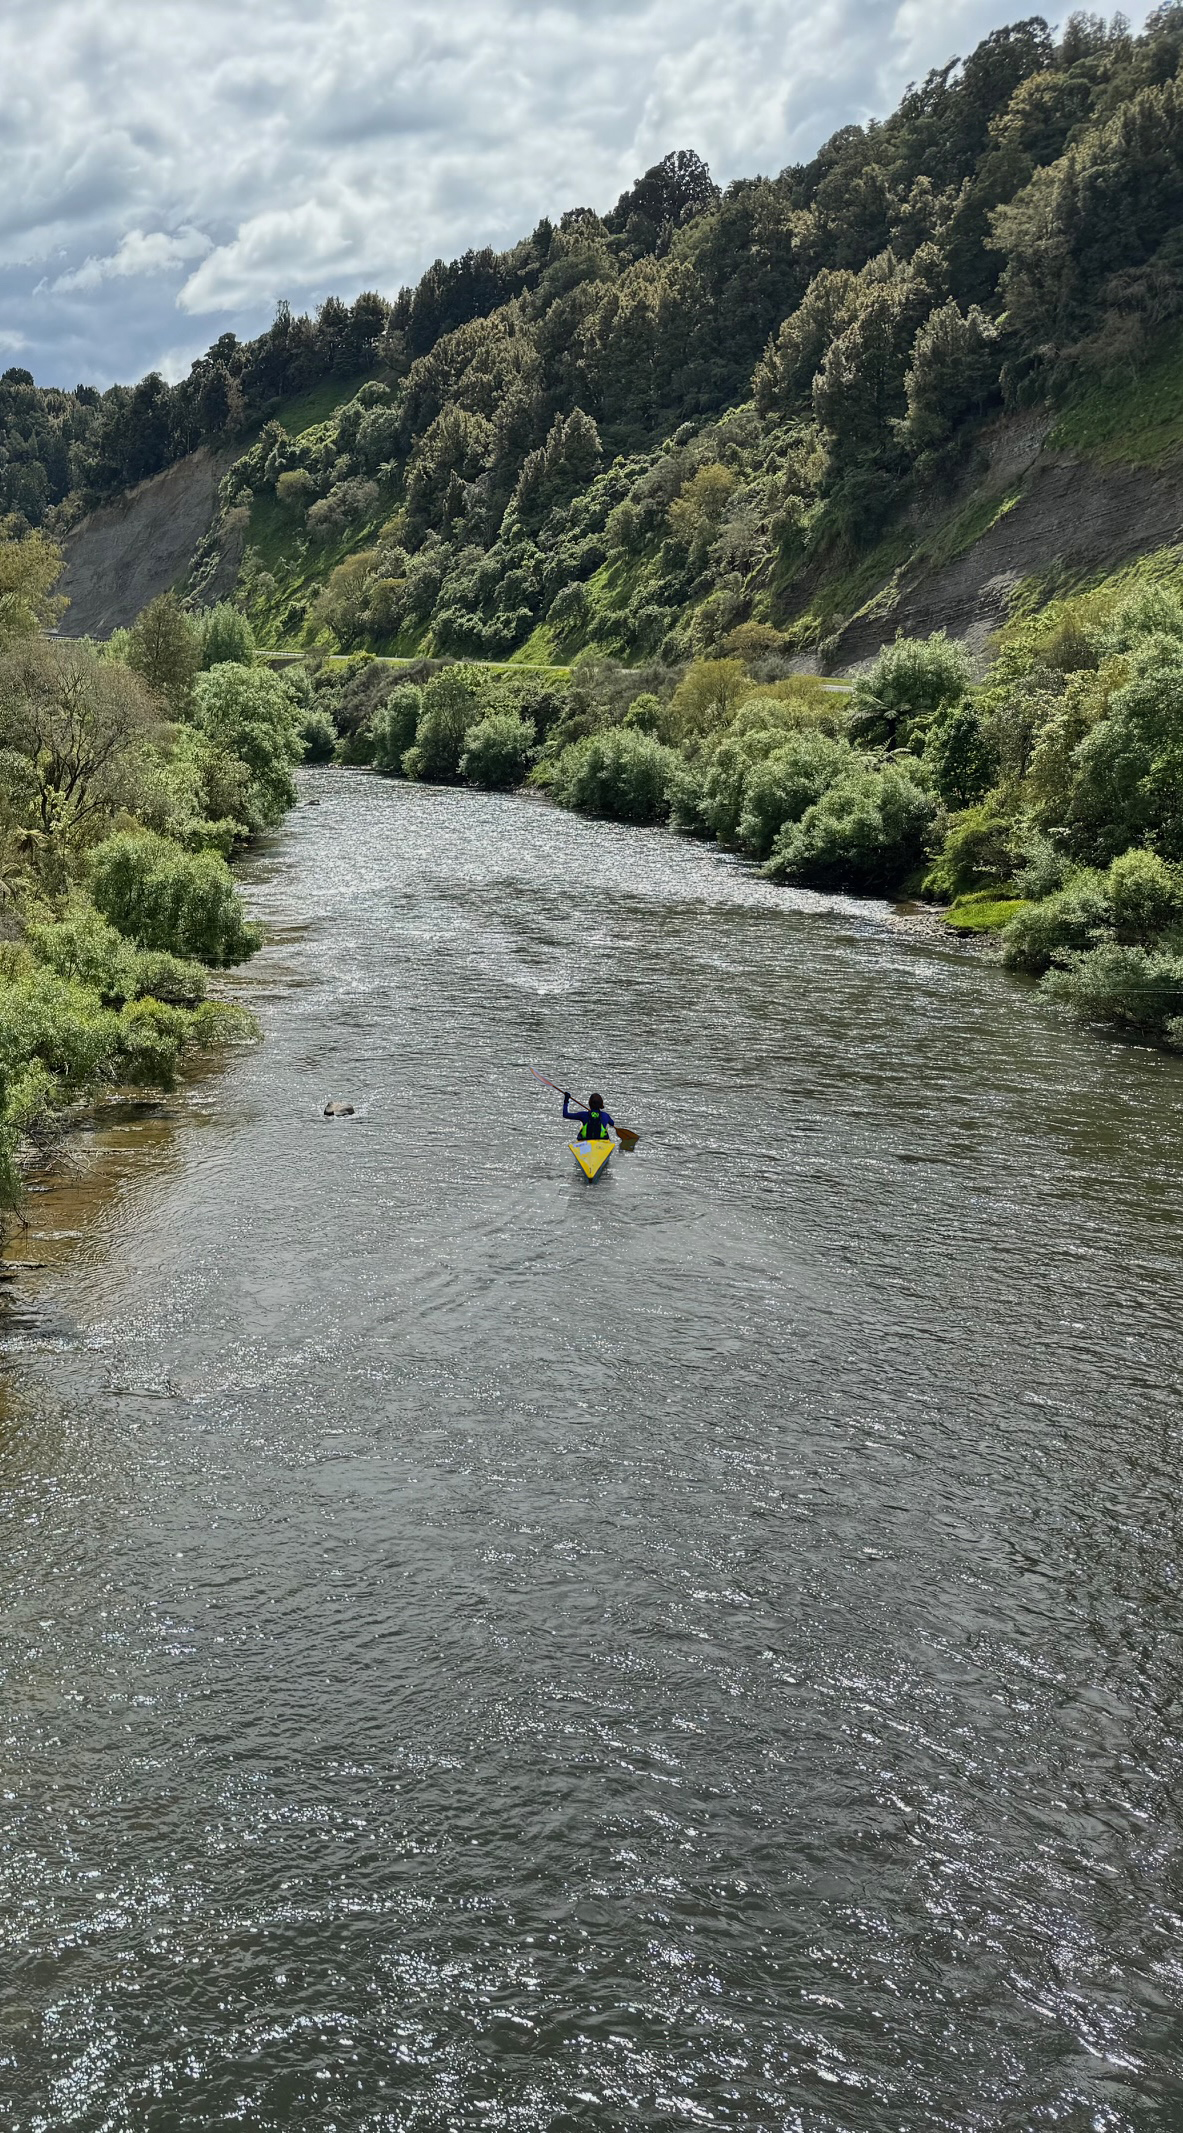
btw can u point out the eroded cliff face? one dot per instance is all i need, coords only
(1055, 513)
(127, 552)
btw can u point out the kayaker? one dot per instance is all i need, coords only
(596, 1120)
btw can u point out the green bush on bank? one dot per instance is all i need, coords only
(184, 903)
(498, 751)
(393, 728)
(251, 715)
(82, 945)
(866, 831)
(452, 702)
(778, 790)
(621, 774)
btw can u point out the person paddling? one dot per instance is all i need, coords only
(596, 1120)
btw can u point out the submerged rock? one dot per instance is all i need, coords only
(336, 1110)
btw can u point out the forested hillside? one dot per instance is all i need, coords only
(640, 429)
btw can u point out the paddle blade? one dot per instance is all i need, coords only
(627, 1138)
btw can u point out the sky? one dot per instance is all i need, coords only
(172, 168)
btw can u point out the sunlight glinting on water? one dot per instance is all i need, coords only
(483, 1650)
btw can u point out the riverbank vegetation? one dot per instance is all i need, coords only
(128, 774)
(1042, 804)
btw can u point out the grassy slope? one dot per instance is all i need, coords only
(1136, 422)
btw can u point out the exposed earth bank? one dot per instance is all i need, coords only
(128, 552)
(1070, 515)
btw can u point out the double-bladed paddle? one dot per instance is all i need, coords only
(624, 1134)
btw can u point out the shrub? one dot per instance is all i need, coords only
(621, 773)
(319, 736)
(84, 947)
(1147, 897)
(162, 898)
(350, 503)
(1134, 987)
(498, 750)
(687, 798)
(1129, 767)
(1149, 611)
(59, 1025)
(978, 851)
(1045, 868)
(707, 697)
(249, 712)
(959, 752)
(392, 729)
(645, 714)
(295, 488)
(452, 702)
(160, 976)
(1076, 918)
(910, 680)
(778, 790)
(866, 832)
(227, 638)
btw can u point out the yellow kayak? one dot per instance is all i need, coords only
(591, 1156)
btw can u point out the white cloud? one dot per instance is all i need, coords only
(138, 253)
(218, 155)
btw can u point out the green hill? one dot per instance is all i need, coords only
(823, 402)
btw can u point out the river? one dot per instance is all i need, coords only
(481, 1650)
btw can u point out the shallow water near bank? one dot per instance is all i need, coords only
(480, 1650)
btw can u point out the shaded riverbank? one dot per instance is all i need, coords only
(695, 1650)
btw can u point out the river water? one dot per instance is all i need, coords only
(486, 1651)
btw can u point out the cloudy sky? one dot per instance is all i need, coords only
(172, 167)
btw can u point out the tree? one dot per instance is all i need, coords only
(29, 570)
(953, 373)
(250, 713)
(164, 648)
(1127, 783)
(960, 755)
(670, 194)
(452, 702)
(394, 726)
(708, 694)
(226, 637)
(73, 731)
(694, 515)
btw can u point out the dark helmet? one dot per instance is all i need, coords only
(595, 1102)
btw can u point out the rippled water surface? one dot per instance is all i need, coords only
(481, 1650)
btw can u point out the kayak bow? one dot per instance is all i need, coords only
(591, 1156)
